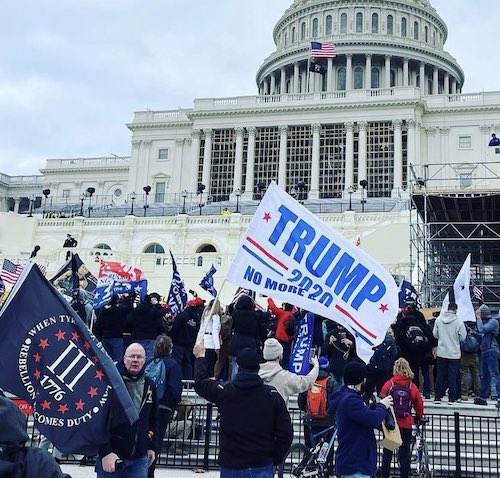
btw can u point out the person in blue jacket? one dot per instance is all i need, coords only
(356, 455)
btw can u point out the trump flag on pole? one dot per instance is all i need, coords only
(50, 359)
(289, 254)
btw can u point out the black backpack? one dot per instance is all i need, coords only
(416, 339)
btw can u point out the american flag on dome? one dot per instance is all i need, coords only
(323, 50)
(10, 272)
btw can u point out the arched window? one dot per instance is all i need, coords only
(315, 29)
(359, 22)
(341, 79)
(393, 78)
(390, 25)
(358, 78)
(426, 34)
(415, 30)
(154, 249)
(286, 38)
(102, 246)
(293, 34)
(375, 23)
(404, 27)
(303, 31)
(434, 38)
(343, 23)
(206, 248)
(329, 25)
(375, 78)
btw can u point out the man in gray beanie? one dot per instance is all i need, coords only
(285, 382)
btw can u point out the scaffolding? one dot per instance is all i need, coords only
(455, 212)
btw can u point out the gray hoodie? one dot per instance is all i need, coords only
(285, 382)
(449, 331)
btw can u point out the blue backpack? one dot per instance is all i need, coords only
(156, 371)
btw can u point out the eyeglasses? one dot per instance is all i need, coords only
(135, 357)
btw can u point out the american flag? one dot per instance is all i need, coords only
(10, 272)
(477, 291)
(323, 50)
(241, 291)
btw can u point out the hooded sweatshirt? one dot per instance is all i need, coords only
(285, 382)
(449, 331)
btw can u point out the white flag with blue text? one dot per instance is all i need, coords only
(290, 254)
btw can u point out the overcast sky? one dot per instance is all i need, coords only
(72, 72)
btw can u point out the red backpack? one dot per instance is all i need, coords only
(317, 400)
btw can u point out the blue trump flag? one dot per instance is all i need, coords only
(50, 359)
(408, 293)
(207, 283)
(299, 358)
(108, 288)
(177, 296)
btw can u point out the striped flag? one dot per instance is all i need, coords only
(2, 287)
(323, 50)
(251, 293)
(476, 290)
(10, 272)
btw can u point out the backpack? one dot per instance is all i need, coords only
(317, 400)
(401, 395)
(416, 339)
(156, 371)
(470, 343)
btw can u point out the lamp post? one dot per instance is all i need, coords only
(364, 184)
(184, 196)
(350, 190)
(201, 188)
(82, 198)
(32, 200)
(147, 190)
(237, 193)
(133, 197)
(46, 193)
(90, 193)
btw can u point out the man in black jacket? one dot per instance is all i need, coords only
(255, 426)
(131, 447)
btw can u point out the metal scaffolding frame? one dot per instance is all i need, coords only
(455, 211)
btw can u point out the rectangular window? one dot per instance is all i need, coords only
(465, 180)
(160, 192)
(465, 142)
(163, 154)
(66, 193)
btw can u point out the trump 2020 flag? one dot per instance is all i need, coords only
(207, 283)
(408, 293)
(118, 270)
(289, 254)
(50, 359)
(299, 358)
(461, 288)
(107, 288)
(177, 296)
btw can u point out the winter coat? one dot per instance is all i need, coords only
(173, 384)
(111, 322)
(489, 329)
(282, 317)
(146, 321)
(185, 327)
(416, 399)
(357, 447)
(245, 330)
(209, 332)
(285, 382)
(449, 330)
(413, 319)
(255, 426)
(339, 354)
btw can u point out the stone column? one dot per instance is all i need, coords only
(249, 182)
(296, 76)
(133, 171)
(238, 160)
(446, 90)
(17, 201)
(423, 81)
(445, 150)
(362, 152)
(329, 75)
(485, 135)
(283, 81)
(453, 86)
(411, 123)
(405, 72)
(195, 159)
(314, 190)
(387, 71)
(282, 158)
(3, 204)
(433, 152)
(146, 157)
(266, 86)
(348, 72)
(207, 159)
(368, 71)
(349, 155)
(273, 84)
(398, 159)
(435, 81)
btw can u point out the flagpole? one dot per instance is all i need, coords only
(308, 70)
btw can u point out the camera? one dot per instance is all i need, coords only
(342, 335)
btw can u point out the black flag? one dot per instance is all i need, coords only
(316, 68)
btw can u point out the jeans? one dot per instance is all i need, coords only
(164, 417)
(403, 456)
(114, 347)
(259, 472)
(447, 375)
(489, 370)
(135, 468)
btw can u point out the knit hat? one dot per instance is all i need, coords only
(245, 302)
(354, 373)
(485, 311)
(324, 363)
(13, 429)
(272, 349)
(248, 360)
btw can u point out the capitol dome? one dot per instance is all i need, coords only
(379, 44)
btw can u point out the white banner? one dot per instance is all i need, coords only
(290, 254)
(461, 287)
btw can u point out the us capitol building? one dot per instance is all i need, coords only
(385, 121)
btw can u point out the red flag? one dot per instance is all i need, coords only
(118, 270)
